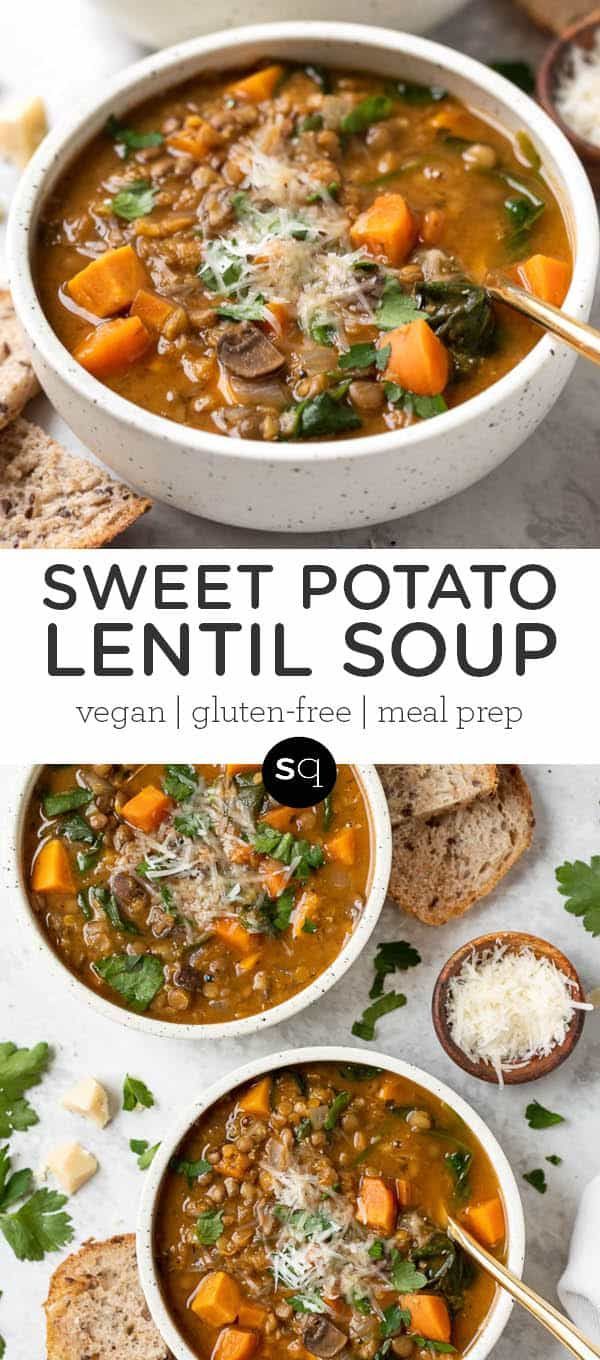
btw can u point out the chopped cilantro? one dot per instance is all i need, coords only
(423, 407)
(303, 855)
(136, 1094)
(247, 309)
(396, 308)
(127, 139)
(137, 977)
(377, 1250)
(191, 1170)
(392, 956)
(209, 1226)
(136, 200)
(580, 883)
(393, 1321)
(308, 1302)
(144, 1152)
(180, 782)
(190, 824)
(404, 1275)
(20, 1068)
(554, 1159)
(538, 1117)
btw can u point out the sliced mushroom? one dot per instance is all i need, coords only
(246, 352)
(322, 1338)
(126, 889)
(188, 977)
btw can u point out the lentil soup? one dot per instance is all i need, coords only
(306, 1212)
(288, 253)
(185, 892)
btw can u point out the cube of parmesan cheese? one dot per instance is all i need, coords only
(71, 1165)
(89, 1099)
(23, 125)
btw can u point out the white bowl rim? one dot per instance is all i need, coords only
(56, 147)
(381, 860)
(501, 1307)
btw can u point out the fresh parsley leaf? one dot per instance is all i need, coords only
(554, 1159)
(396, 308)
(537, 1179)
(38, 1226)
(359, 356)
(322, 329)
(392, 956)
(440, 1347)
(137, 977)
(423, 407)
(519, 72)
(54, 804)
(248, 309)
(283, 908)
(12, 1187)
(209, 1226)
(136, 200)
(377, 1250)
(2, 1347)
(580, 883)
(136, 1094)
(20, 1068)
(365, 1027)
(110, 907)
(371, 110)
(336, 1109)
(303, 1222)
(76, 828)
(322, 415)
(304, 855)
(538, 1117)
(308, 1302)
(127, 139)
(191, 1170)
(460, 1165)
(393, 1320)
(180, 782)
(144, 1152)
(190, 824)
(404, 1275)
(361, 1305)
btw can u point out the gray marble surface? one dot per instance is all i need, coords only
(34, 1005)
(546, 495)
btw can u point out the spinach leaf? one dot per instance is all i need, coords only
(413, 93)
(359, 1071)
(423, 407)
(371, 110)
(365, 1027)
(137, 977)
(110, 907)
(321, 77)
(323, 415)
(327, 806)
(392, 956)
(311, 122)
(522, 215)
(336, 1110)
(460, 1165)
(56, 803)
(83, 902)
(461, 314)
(76, 828)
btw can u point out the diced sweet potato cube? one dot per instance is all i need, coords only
(233, 1162)
(545, 277)
(404, 1192)
(252, 1315)
(109, 284)
(418, 360)
(376, 1205)
(217, 1298)
(342, 846)
(258, 86)
(233, 1343)
(243, 854)
(275, 876)
(429, 1316)
(486, 1221)
(257, 1100)
(282, 818)
(152, 309)
(457, 122)
(305, 910)
(386, 228)
(391, 1088)
(248, 962)
(113, 346)
(235, 935)
(52, 872)
(195, 141)
(147, 809)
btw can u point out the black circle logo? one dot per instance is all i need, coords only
(299, 772)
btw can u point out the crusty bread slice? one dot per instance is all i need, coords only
(555, 15)
(51, 499)
(95, 1308)
(18, 382)
(442, 866)
(426, 790)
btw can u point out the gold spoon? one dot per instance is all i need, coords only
(556, 1323)
(583, 338)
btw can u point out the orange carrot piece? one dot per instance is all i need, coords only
(342, 846)
(281, 818)
(231, 770)
(386, 228)
(152, 309)
(429, 1316)
(418, 360)
(305, 910)
(147, 809)
(458, 122)
(113, 346)
(110, 283)
(196, 141)
(545, 277)
(248, 962)
(377, 1205)
(275, 876)
(258, 86)
(391, 1088)
(233, 1343)
(257, 1100)
(252, 1315)
(235, 936)
(52, 872)
(217, 1298)
(404, 1192)
(243, 854)
(486, 1221)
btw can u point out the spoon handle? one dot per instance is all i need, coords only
(556, 1323)
(585, 339)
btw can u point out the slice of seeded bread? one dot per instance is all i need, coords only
(426, 790)
(18, 382)
(443, 865)
(95, 1308)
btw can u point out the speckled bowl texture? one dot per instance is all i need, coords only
(381, 859)
(330, 484)
(500, 1310)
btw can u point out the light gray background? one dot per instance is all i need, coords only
(546, 496)
(35, 1005)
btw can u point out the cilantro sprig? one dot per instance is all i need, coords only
(136, 1095)
(392, 956)
(538, 1117)
(39, 1224)
(580, 884)
(20, 1068)
(144, 1152)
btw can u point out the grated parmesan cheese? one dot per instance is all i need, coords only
(578, 91)
(506, 1007)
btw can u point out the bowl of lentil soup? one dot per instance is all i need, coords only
(181, 900)
(252, 275)
(300, 1205)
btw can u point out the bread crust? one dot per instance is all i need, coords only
(95, 1309)
(18, 383)
(427, 790)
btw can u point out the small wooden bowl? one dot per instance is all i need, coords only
(580, 34)
(537, 1067)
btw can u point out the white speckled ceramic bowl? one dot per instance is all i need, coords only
(500, 1310)
(306, 487)
(379, 877)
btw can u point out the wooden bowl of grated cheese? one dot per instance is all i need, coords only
(508, 1007)
(568, 87)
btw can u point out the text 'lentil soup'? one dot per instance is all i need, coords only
(184, 892)
(307, 1212)
(298, 253)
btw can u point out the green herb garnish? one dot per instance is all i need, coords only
(460, 1165)
(392, 956)
(54, 804)
(110, 907)
(144, 1152)
(38, 1225)
(423, 407)
(396, 308)
(137, 200)
(371, 110)
(404, 1275)
(336, 1109)
(137, 977)
(537, 1179)
(180, 782)
(580, 883)
(538, 1117)
(136, 1094)
(554, 1159)
(365, 1027)
(283, 846)
(127, 139)
(191, 1170)
(308, 1302)
(20, 1068)
(247, 309)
